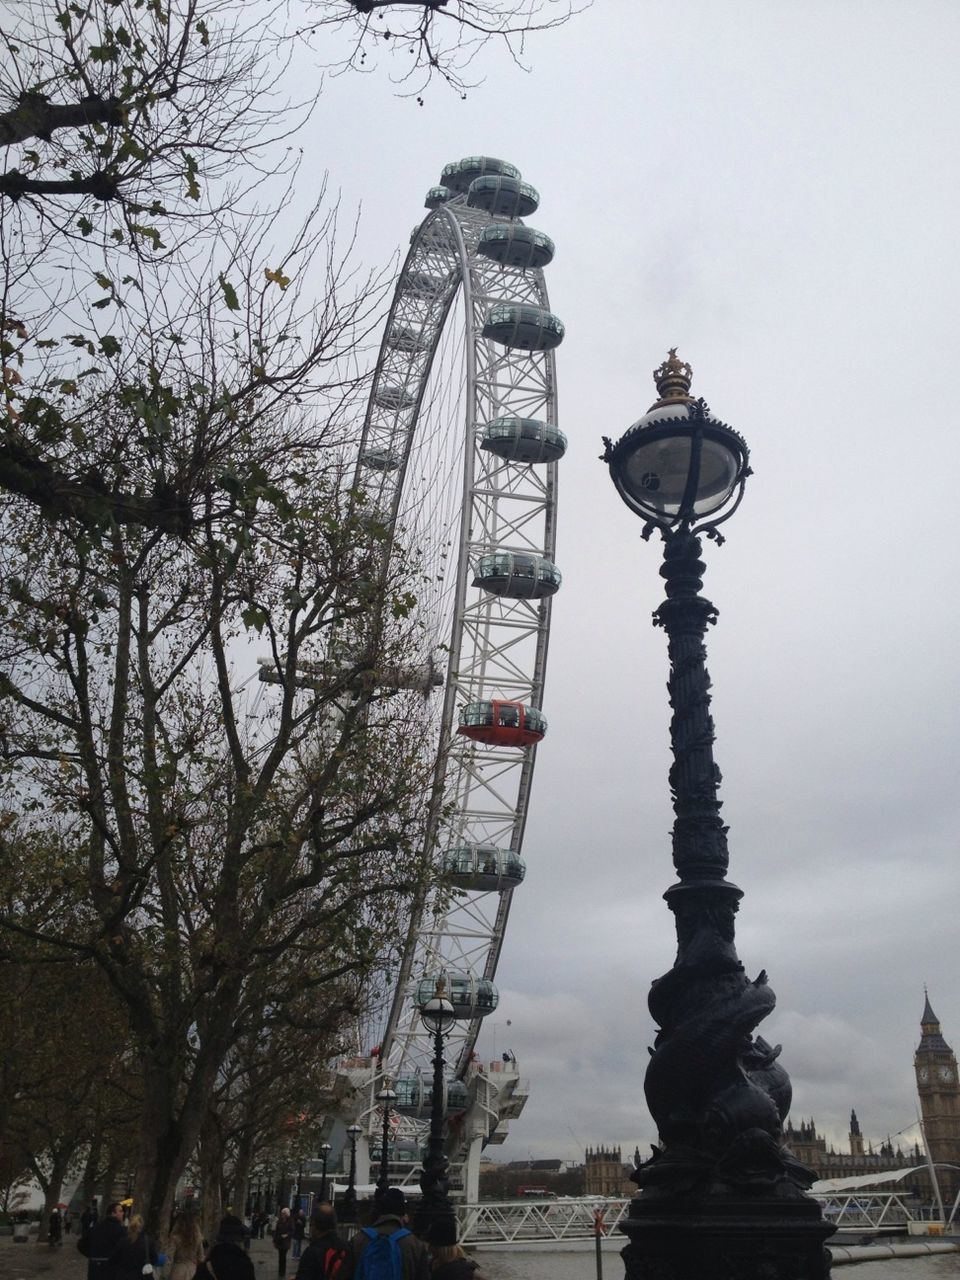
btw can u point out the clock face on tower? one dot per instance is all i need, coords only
(945, 1074)
(923, 1074)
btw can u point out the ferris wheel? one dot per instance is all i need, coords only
(459, 455)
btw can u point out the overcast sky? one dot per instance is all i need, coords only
(772, 187)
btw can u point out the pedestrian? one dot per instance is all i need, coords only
(67, 1222)
(327, 1256)
(55, 1228)
(227, 1258)
(102, 1241)
(299, 1231)
(134, 1253)
(389, 1250)
(282, 1239)
(88, 1220)
(185, 1246)
(447, 1258)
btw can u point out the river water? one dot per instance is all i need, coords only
(578, 1263)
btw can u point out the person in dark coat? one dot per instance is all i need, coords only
(327, 1256)
(228, 1259)
(134, 1252)
(282, 1236)
(447, 1258)
(299, 1232)
(102, 1242)
(88, 1219)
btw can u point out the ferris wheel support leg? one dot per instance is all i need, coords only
(471, 1171)
(363, 1160)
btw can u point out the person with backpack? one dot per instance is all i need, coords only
(389, 1250)
(327, 1256)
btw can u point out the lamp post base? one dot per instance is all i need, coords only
(735, 1239)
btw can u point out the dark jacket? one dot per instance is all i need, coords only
(413, 1252)
(283, 1233)
(131, 1256)
(101, 1244)
(226, 1261)
(313, 1261)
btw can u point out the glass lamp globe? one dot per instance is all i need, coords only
(438, 1013)
(678, 465)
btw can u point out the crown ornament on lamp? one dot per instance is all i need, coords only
(673, 379)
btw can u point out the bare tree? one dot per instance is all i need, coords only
(431, 39)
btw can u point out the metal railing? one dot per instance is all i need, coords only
(517, 1221)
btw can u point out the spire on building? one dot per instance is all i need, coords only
(930, 1026)
(854, 1124)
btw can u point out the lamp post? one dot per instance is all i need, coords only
(438, 1016)
(721, 1198)
(349, 1211)
(386, 1097)
(325, 1150)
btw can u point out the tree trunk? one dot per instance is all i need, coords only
(88, 1184)
(239, 1191)
(211, 1175)
(51, 1186)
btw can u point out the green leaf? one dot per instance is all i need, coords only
(101, 303)
(109, 345)
(255, 617)
(85, 225)
(193, 187)
(102, 53)
(103, 281)
(149, 233)
(229, 293)
(204, 32)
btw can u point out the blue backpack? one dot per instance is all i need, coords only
(381, 1259)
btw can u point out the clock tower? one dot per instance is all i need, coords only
(937, 1084)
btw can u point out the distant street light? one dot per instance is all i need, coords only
(722, 1198)
(325, 1150)
(386, 1097)
(349, 1210)
(438, 1016)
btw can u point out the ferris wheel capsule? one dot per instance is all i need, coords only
(390, 396)
(529, 328)
(437, 196)
(514, 245)
(503, 197)
(483, 867)
(458, 175)
(502, 724)
(470, 996)
(517, 575)
(524, 440)
(414, 1096)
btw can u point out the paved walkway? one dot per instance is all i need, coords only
(39, 1262)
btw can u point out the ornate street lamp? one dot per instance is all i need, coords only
(438, 1016)
(386, 1097)
(349, 1211)
(325, 1150)
(721, 1198)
